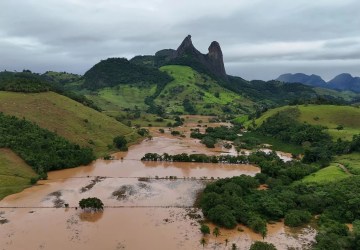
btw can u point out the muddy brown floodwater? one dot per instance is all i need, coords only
(143, 211)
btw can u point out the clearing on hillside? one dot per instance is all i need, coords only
(342, 121)
(204, 94)
(66, 117)
(15, 174)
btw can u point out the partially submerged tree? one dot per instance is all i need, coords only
(92, 204)
(205, 229)
(258, 245)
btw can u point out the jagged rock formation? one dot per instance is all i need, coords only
(212, 61)
(215, 58)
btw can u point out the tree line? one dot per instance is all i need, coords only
(41, 149)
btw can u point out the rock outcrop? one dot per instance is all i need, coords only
(212, 61)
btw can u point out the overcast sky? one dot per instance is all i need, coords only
(260, 39)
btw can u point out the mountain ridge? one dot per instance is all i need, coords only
(344, 81)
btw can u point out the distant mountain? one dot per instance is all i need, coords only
(343, 81)
(312, 80)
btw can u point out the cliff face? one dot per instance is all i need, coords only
(215, 58)
(212, 61)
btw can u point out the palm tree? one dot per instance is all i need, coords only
(203, 242)
(226, 241)
(216, 232)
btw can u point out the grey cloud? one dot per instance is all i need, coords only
(73, 35)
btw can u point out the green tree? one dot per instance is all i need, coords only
(203, 242)
(216, 232)
(92, 204)
(295, 218)
(121, 143)
(205, 229)
(258, 245)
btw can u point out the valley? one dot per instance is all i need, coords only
(159, 210)
(182, 156)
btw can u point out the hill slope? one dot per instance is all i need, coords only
(70, 119)
(192, 92)
(326, 115)
(15, 174)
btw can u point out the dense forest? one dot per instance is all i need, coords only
(235, 200)
(319, 146)
(114, 71)
(29, 82)
(22, 82)
(41, 149)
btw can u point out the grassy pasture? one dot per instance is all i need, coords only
(70, 119)
(15, 174)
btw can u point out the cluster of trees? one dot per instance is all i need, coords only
(121, 143)
(92, 204)
(184, 157)
(41, 149)
(29, 82)
(114, 71)
(22, 82)
(229, 201)
(189, 107)
(318, 144)
(214, 133)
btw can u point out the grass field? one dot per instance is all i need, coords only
(70, 119)
(15, 174)
(326, 115)
(350, 161)
(328, 174)
(122, 96)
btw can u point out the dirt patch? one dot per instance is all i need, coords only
(124, 192)
(2, 219)
(57, 201)
(92, 184)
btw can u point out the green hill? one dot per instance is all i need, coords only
(15, 174)
(330, 116)
(115, 71)
(68, 118)
(200, 93)
(188, 89)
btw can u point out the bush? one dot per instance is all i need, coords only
(120, 143)
(205, 229)
(295, 218)
(175, 133)
(93, 204)
(208, 141)
(259, 245)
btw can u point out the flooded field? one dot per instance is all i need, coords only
(144, 208)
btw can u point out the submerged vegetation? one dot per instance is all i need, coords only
(91, 204)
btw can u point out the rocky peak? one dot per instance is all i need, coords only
(212, 61)
(186, 47)
(216, 58)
